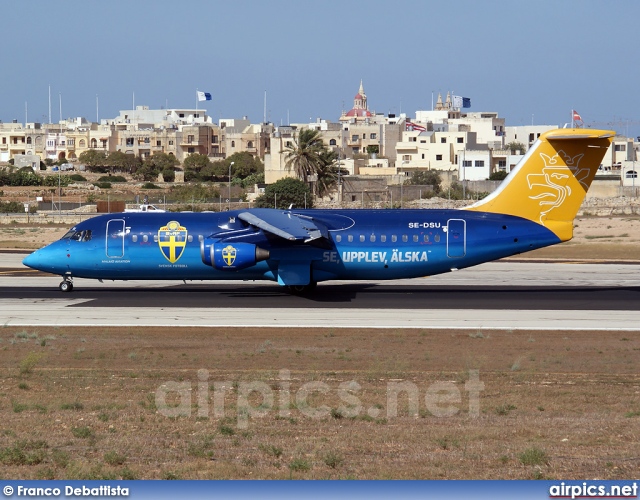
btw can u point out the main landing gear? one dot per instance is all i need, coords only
(302, 289)
(66, 285)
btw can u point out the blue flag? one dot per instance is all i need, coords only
(466, 102)
(204, 96)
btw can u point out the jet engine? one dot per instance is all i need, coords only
(226, 256)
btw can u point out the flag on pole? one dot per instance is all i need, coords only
(461, 102)
(414, 126)
(576, 116)
(204, 96)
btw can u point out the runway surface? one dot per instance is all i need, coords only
(504, 295)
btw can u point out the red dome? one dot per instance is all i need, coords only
(359, 112)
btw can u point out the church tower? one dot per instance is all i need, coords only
(360, 110)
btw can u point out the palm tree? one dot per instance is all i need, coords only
(304, 154)
(328, 172)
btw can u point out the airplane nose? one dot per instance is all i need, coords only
(32, 260)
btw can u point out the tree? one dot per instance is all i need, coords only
(303, 154)
(498, 175)
(153, 165)
(163, 161)
(169, 175)
(426, 178)
(196, 167)
(328, 172)
(515, 146)
(285, 192)
(244, 164)
(92, 158)
(122, 162)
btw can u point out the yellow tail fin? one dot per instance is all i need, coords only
(552, 179)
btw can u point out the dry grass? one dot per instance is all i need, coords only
(554, 404)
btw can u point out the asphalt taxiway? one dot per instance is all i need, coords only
(504, 295)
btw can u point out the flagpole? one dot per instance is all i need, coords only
(196, 99)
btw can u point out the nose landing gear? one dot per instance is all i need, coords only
(66, 285)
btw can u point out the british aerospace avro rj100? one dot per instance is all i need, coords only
(534, 207)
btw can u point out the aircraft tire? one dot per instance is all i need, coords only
(66, 286)
(302, 289)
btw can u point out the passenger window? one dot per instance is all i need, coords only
(436, 238)
(190, 238)
(426, 238)
(134, 237)
(200, 238)
(338, 238)
(394, 238)
(145, 238)
(383, 238)
(415, 238)
(405, 238)
(350, 238)
(155, 238)
(372, 238)
(362, 238)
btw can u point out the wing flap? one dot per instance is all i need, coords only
(286, 225)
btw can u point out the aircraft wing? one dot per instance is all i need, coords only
(287, 225)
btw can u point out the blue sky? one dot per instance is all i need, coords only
(532, 62)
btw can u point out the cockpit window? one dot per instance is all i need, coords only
(78, 235)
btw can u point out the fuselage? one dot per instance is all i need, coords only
(360, 244)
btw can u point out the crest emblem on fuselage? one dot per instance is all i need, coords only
(229, 255)
(172, 240)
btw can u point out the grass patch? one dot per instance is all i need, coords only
(76, 405)
(83, 432)
(114, 458)
(29, 362)
(271, 450)
(533, 456)
(225, 430)
(505, 409)
(24, 453)
(333, 460)
(299, 465)
(18, 407)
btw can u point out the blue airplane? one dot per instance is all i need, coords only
(533, 207)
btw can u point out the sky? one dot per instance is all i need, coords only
(532, 62)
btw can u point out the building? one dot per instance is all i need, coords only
(360, 110)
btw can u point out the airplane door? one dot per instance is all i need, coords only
(115, 238)
(456, 238)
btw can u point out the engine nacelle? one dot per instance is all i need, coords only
(232, 256)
